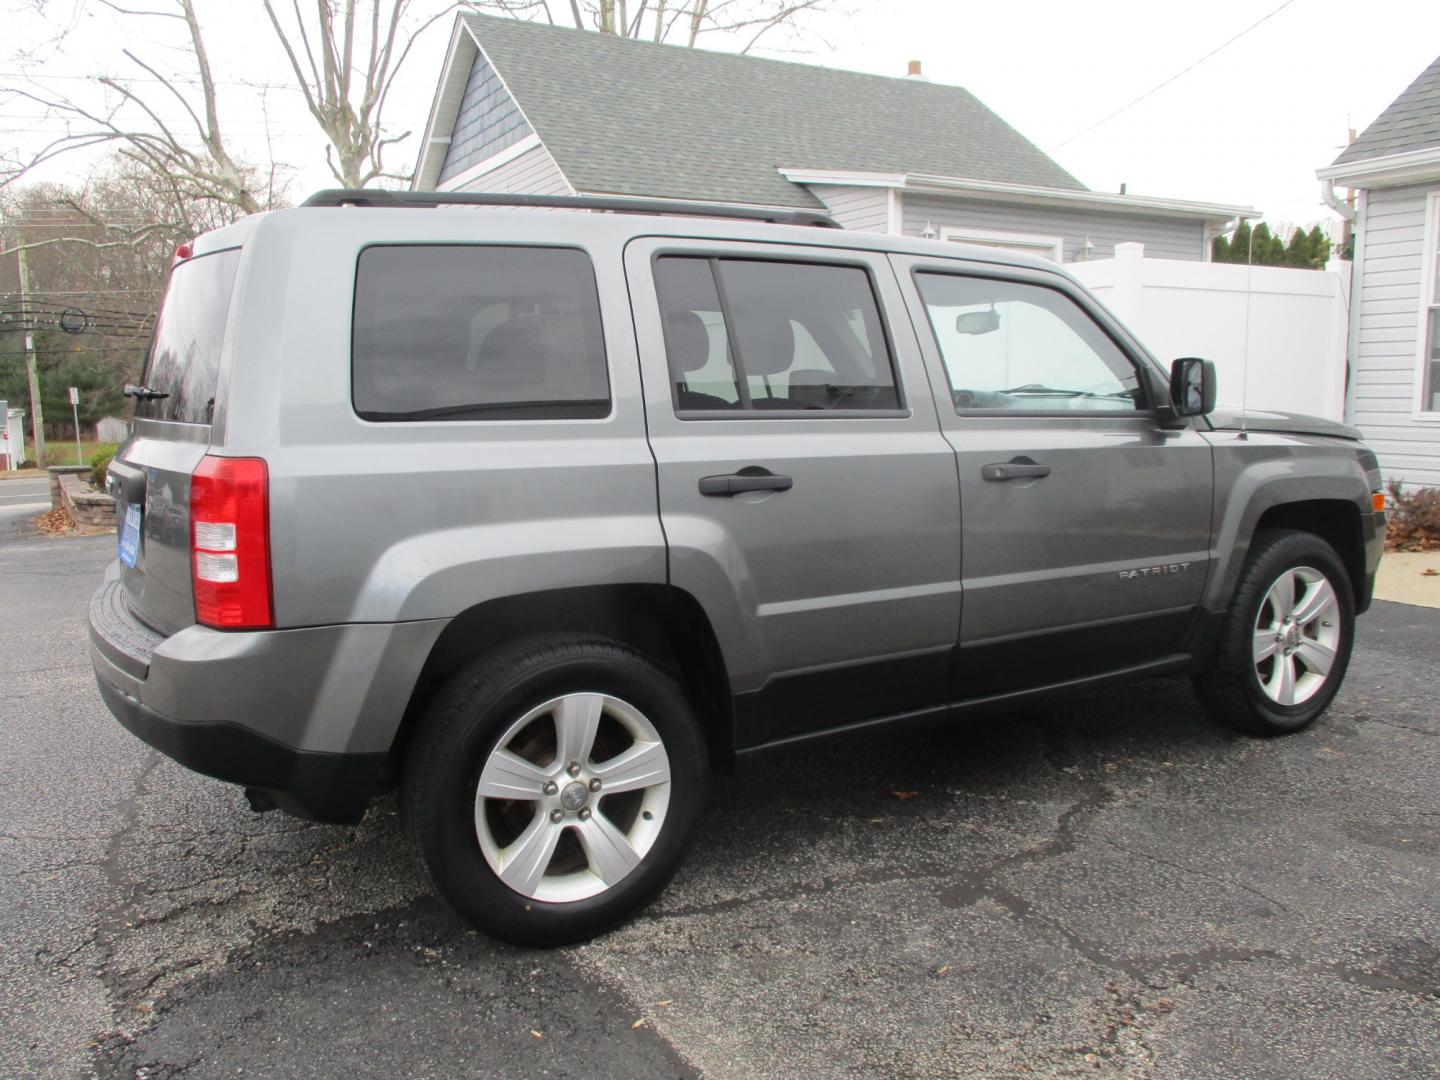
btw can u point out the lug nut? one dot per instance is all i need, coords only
(551, 787)
(556, 815)
(595, 785)
(573, 769)
(584, 814)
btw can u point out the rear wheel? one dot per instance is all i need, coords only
(554, 788)
(1285, 642)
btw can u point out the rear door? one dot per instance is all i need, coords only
(1087, 524)
(150, 476)
(807, 495)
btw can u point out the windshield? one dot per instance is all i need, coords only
(184, 360)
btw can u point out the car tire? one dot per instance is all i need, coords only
(554, 787)
(1285, 642)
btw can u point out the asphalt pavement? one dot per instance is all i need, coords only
(20, 501)
(1105, 888)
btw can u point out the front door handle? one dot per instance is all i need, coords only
(1018, 469)
(750, 478)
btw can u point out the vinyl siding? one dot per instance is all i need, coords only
(1164, 238)
(533, 173)
(489, 121)
(1386, 349)
(864, 208)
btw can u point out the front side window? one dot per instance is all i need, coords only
(1009, 346)
(451, 332)
(750, 334)
(1430, 336)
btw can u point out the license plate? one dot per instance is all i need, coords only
(130, 535)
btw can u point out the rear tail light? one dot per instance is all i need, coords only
(230, 543)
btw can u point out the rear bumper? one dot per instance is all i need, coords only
(324, 787)
(306, 715)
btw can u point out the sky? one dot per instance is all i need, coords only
(1249, 125)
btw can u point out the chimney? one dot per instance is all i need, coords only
(913, 71)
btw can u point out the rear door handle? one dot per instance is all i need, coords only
(1019, 469)
(750, 478)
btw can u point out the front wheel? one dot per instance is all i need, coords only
(553, 788)
(1285, 641)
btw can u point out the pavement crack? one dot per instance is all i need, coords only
(117, 881)
(1404, 727)
(1197, 873)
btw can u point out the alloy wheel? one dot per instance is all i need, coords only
(1297, 636)
(572, 797)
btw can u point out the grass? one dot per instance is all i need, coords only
(57, 452)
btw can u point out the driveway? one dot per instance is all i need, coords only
(1111, 887)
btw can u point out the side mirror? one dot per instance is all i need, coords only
(1192, 386)
(977, 322)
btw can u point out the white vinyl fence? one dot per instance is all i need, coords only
(1277, 335)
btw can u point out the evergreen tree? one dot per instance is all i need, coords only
(1300, 253)
(1259, 246)
(1240, 244)
(1319, 247)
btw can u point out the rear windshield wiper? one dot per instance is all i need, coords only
(143, 393)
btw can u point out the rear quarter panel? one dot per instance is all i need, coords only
(383, 522)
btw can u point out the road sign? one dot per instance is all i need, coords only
(75, 411)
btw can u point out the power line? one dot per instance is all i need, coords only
(1185, 71)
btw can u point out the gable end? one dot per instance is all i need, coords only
(488, 122)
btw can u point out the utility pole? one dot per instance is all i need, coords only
(37, 421)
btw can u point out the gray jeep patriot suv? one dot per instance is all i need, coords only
(534, 515)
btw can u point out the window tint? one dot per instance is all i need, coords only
(695, 338)
(1010, 346)
(471, 332)
(184, 360)
(753, 334)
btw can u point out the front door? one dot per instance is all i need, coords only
(807, 494)
(1086, 524)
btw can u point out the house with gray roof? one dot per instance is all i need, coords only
(539, 109)
(1393, 171)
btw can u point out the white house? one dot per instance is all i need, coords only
(539, 109)
(1394, 346)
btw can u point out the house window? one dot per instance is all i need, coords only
(1051, 247)
(1430, 310)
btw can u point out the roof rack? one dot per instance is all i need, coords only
(620, 204)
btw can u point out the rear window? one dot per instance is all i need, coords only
(477, 332)
(184, 360)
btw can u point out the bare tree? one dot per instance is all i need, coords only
(192, 158)
(98, 254)
(345, 57)
(677, 21)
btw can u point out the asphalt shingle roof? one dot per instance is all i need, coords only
(636, 118)
(1412, 122)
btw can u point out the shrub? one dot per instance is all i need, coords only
(98, 464)
(1413, 521)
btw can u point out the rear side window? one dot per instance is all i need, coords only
(184, 360)
(746, 334)
(477, 332)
